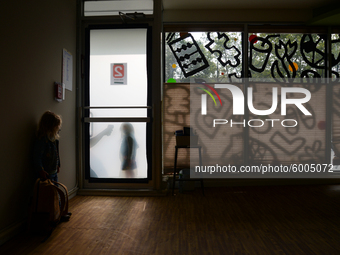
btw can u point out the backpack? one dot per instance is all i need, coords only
(49, 203)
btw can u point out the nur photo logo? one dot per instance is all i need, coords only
(204, 98)
(238, 104)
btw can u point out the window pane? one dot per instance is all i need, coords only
(271, 142)
(118, 150)
(109, 8)
(336, 55)
(281, 56)
(201, 55)
(118, 53)
(118, 78)
(176, 106)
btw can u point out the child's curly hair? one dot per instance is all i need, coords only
(49, 126)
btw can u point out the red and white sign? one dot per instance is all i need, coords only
(118, 74)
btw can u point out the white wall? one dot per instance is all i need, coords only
(33, 34)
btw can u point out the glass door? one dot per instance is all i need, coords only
(118, 115)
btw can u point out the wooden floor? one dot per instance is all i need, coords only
(235, 220)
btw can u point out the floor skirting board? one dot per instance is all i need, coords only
(11, 231)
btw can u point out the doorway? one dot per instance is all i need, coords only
(117, 105)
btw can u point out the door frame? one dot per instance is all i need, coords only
(86, 119)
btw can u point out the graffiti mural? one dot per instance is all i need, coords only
(188, 55)
(213, 47)
(218, 55)
(203, 55)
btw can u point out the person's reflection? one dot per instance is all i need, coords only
(128, 150)
(100, 169)
(106, 132)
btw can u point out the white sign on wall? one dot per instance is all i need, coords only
(67, 69)
(118, 73)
